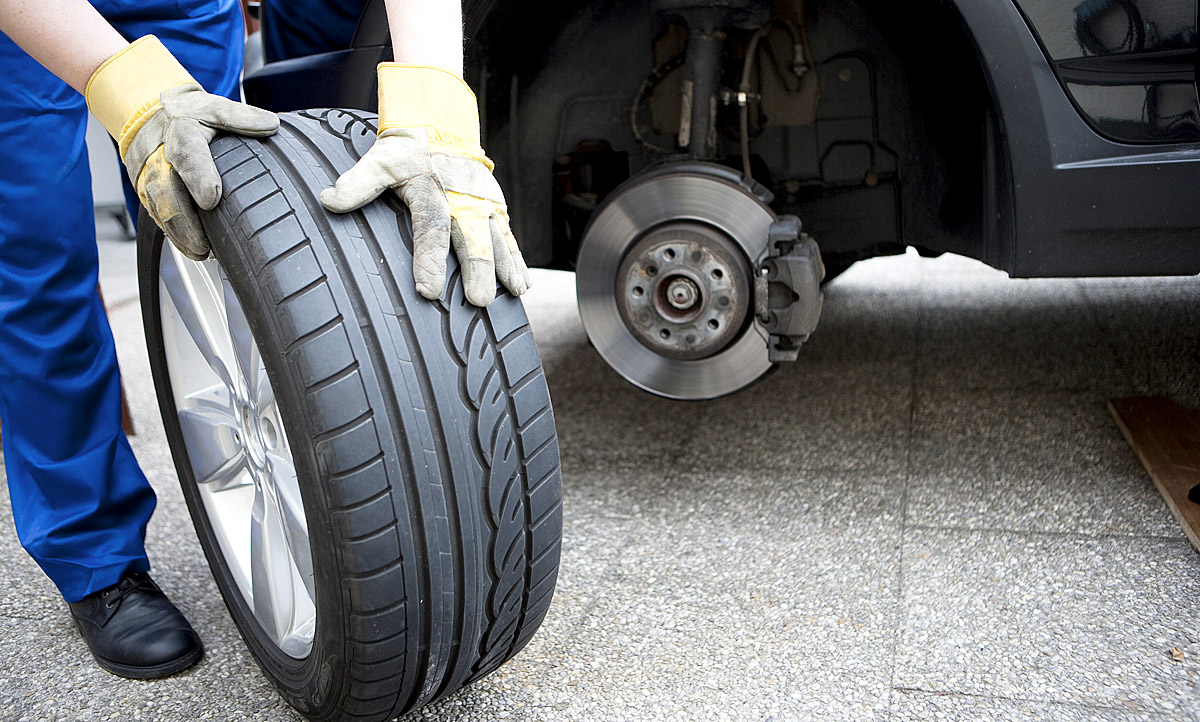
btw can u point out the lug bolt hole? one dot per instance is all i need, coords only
(270, 435)
(670, 253)
(638, 291)
(714, 324)
(718, 274)
(664, 334)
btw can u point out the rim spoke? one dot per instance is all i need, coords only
(194, 296)
(213, 442)
(295, 526)
(264, 397)
(244, 351)
(270, 568)
(233, 474)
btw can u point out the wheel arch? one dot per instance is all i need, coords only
(960, 120)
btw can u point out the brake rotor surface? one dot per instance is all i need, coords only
(664, 283)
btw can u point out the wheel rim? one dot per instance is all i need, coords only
(240, 456)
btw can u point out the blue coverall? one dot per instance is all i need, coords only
(80, 502)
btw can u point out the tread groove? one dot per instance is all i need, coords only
(346, 473)
(351, 508)
(339, 375)
(242, 184)
(257, 201)
(307, 336)
(315, 283)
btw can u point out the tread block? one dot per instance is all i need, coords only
(275, 240)
(359, 485)
(382, 635)
(269, 205)
(291, 273)
(338, 403)
(323, 356)
(543, 587)
(228, 152)
(372, 552)
(365, 519)
(546, 534)
(307, 312)
(377, 591)
(529, 400)
(382, 692)
(538, 431)
(250, 197)
(542, 463)
(374, 672)
(505, 315)
(542, 501)
(241, 171)
(353, 447)
(519, 357)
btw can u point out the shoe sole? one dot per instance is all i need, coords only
(165, 669)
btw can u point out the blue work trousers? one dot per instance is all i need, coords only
(80, 501)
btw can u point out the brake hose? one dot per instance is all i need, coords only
(800, 65)
(652, 80)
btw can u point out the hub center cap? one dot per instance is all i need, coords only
(682, 294)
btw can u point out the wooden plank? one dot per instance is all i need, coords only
(1166, 438)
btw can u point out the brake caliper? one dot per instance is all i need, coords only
(787, 289)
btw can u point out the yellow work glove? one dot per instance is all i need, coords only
(428, 152)
(163, 122)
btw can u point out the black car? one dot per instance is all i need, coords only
(659, 150)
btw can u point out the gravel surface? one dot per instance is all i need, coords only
(931, 516)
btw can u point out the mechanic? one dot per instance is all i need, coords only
(80, 501)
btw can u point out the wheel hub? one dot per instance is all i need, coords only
(682, 291)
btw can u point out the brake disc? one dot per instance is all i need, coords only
(665, 282)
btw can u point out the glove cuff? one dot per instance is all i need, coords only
(124, 91)
(419, 96)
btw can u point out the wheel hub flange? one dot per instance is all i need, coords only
(683, 290)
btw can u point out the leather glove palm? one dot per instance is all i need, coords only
(428, 152)
(163, 122)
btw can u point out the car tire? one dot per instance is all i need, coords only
(424, 474)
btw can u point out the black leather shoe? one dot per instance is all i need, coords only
(134, 631)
